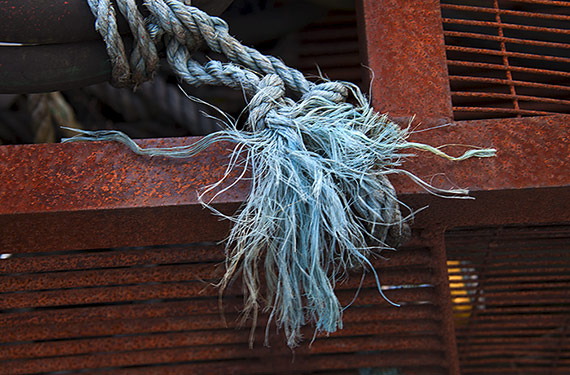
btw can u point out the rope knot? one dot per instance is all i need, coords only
(269, 96)
(320, 201)
(332, 91)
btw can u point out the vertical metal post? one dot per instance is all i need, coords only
(434, 237)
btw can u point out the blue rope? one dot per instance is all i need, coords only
(320, 195)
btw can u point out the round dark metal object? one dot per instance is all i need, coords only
(53, 45)
(59, 21)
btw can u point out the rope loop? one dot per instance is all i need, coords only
(332, 91)
(269, 97)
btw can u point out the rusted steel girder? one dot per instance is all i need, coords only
(102, 190)
(102, 186)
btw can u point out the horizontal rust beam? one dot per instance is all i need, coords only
(104, 190)
(98, 195)
(532, 153)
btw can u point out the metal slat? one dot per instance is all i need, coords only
(382, 333)
(514, 334)
(190, 309)
(545, 2)
(502, 110)
(485, 51)
(111, 277)
(557, 266)
(80, 260)
(222, 352)
(174, 290)
(480, 9)
(502, 322)
(535, 342)
(471, 64)
(518, 321)
(458, 21)
(495, 38)
(407, 316)
(504, 82)
(302, 364)
(207, 272)
(524, 98)
(202, 305)
(96, 259)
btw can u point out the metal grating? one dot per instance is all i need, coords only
(153, 310)
(507, 58)
(511, 294)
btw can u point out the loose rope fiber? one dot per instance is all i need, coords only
(320, 202)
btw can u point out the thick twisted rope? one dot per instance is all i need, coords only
(320, 201)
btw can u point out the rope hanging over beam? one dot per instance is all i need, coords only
(320, 202)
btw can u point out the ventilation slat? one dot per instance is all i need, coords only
(512, 308)
(506, 26)
(218, 354)
(494, 38)
(544, 2)
(471, 64)
(86, 315)
(476, 9)
(510, 96)
(161, 340)
(173, 284)
(134, 275)
(321, 364)
(499, 323)
(406, 316)
(507, 58)
(483, 110)
(82, 260)
(483, 51)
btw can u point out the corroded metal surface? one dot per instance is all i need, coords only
(531, 153)
(406, 53)
(139, 310)
(153, 310)
(106, 190)
(527, 182)
(107, 175)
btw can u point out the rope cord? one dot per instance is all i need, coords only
(320, 201)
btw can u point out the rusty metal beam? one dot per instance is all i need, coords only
(77, 196)
(532, 153)
(101, 187)
(403, 43)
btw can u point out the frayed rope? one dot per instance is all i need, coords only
(320, 202)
